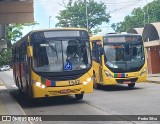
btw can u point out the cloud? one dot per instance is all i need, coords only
(118, 8)
(52, 7)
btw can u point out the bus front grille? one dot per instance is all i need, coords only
(121, 81)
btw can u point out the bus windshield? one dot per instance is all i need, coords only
(124, 57)
(61, 54)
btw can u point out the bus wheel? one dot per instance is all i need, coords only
(79, 96)
(19, 87)
(30, 100)
(131, 85)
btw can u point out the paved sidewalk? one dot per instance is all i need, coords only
(153, 78)
(8, 105)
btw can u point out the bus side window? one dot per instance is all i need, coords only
(95, 51)
(21, 53)
(43, 56)
(17, 55)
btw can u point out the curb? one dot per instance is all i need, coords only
(151, 81)
(1, 83)
(9, 98)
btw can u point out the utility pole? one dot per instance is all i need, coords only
(147, 11)
(49, 20)
(144, 18)
(3, 42)
(85, 1)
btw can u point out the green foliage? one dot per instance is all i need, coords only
(31, 24)
(96, 30)
(13, 32)
(6, 57)
(139, 17)
(74, 14)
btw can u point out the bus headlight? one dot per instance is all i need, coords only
(85, 82)
(43, 86)
(39, 84)
(107, 73)
(88, 81)
(144, 71)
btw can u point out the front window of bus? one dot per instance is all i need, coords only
(124, 54)
(61, 54)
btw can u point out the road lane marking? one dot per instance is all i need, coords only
(3, 88)
(14, 86)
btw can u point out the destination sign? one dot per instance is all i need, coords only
(122, 38)
(50, 34)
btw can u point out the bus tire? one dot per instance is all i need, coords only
(131, 85)
(27, 89)
(19, 87)
(30, 100)
(78, 96)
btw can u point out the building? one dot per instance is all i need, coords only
(151, 36)
(14, 11)
(136, 30)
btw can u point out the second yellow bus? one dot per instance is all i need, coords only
(118, 59)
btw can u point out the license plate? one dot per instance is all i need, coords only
(65, 91)
(127, 82)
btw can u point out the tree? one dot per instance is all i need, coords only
(133, 21)
(6, 57)
(13, 32)
(74, 14)
(139, 17)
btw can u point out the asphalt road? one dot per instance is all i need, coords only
(112, 100)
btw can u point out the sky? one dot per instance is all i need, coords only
(47, 10)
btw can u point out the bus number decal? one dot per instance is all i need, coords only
(74, 82)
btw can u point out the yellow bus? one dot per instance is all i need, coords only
(118, 59)
(53, 62)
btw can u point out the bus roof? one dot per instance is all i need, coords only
(128, 34)
(115, 34)
(54, 29)
(41, 30)
(100, 37)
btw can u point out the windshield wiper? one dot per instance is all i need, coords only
(82, 41)
(51, 46)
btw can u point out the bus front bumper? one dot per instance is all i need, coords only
(114, 81)
(60, 91)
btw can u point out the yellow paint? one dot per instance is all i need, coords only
(30, 51)
(111, 80)
(61, 85)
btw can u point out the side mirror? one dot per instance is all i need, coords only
(30, 51)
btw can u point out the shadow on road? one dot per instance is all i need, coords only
(61, 100)
(114, 88)
(50, 101)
